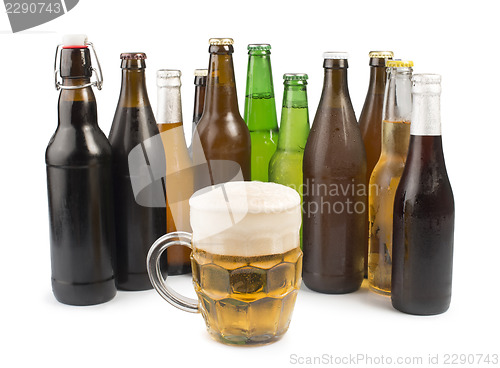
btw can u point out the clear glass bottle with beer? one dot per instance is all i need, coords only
(285, 166)
(138, 171)
(79, 186)
(370, 120)
(335, 194)
(179, 179)
(221, 143)
(387, 173)
(424, 211)
(260, 109)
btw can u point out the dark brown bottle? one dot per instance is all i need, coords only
(138, 171)
(221, 143)
(335, 199)
(424, 211)
(200, 82)
(78, 160)
(370, 120)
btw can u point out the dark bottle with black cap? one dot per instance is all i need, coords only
(138, 176)
(78, 160)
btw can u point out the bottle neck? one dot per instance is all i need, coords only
(398, 99)
(377, 80)
(259, 76)
(395, 139)
(221, 86)
(169, 109)
(77, 107)
(426, 115)
(133, 90)
(294, 128)
(335, 91)
(199, 102)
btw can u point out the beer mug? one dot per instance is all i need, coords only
(246, 260)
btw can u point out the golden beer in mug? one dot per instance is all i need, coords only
(246, 260)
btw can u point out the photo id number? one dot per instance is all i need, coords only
(33, 8)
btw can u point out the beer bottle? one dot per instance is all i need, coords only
(424, 211)
(285, 166)
(370, 120)
(221, 143)
(138, 168)
(179, 172)
(387, 173)
(260, 109)
(335, 198)
(78, 160)
(200, 83)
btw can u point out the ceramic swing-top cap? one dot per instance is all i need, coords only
(74, 40)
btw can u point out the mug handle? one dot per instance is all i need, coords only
(153, 265)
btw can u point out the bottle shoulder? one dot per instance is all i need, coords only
(223, 127)
(425, 191)
(132, 126)
(78, 146)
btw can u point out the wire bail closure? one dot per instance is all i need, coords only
(98, 72)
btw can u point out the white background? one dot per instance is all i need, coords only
(456, 39)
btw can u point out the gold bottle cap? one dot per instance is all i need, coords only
(220, 41)
(399, 64)
(381, 54)
(200, 72)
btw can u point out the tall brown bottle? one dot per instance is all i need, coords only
(138, 169)
(335, 199)
(221, 141)
(370, 120)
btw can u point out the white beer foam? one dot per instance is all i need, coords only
(246, 219)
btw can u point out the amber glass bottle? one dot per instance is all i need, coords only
(335, 199)
(79, 188)
(179, 168)
(424, 211)
(138, 171)
(221, 143)
(370, 120)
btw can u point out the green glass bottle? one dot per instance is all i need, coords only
(285, 166)
(260, 110)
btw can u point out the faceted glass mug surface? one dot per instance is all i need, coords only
(246, 260)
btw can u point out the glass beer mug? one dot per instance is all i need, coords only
(246, 260)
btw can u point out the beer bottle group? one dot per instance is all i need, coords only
(376, 198)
